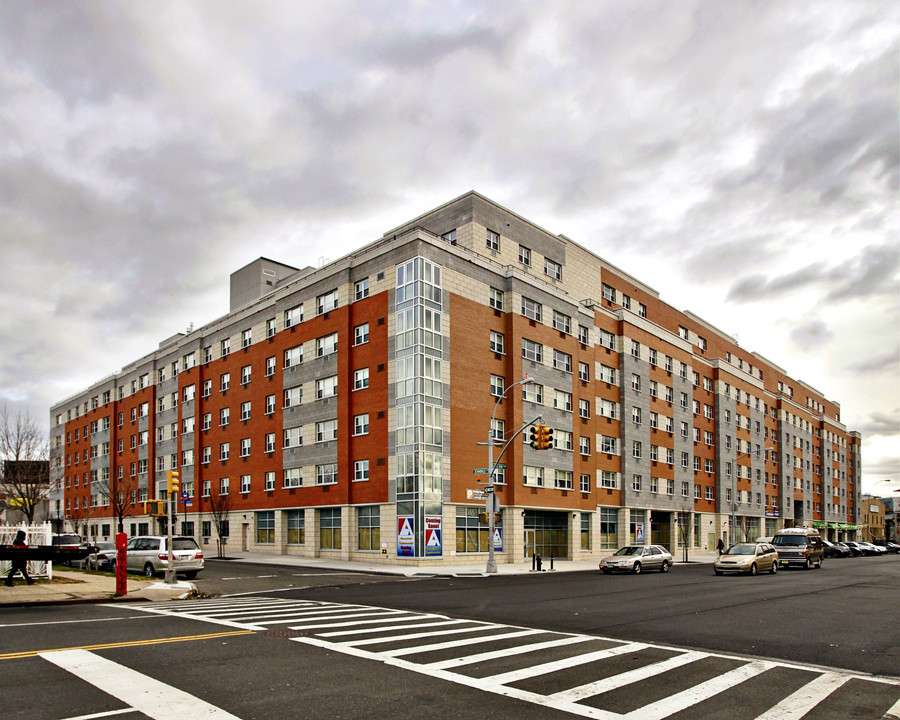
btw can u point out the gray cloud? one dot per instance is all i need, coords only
(878, 363)
(812, 335)
(881, 424)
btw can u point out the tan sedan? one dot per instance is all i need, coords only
(748, 558)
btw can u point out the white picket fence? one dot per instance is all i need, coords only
(34, 535)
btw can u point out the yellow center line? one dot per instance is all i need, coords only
(130, 643)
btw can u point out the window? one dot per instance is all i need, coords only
(361, 334)
(245, 375)
(708, 437)
(293, 397)
(207, 391)
(654, 485)
(360, 470)
(270, 366)
(584, 446)
(245, 484)
(360, 379)
(710, 493)
(497, 342)
(533, 392)
(524, 255)
(293, 437)
(636, 482)
(642, 310)
(701, 343)
(552, 269)
(562, 440)
(224, 451)
(293, 478)
(493, 241)
(293, 356)
(326, 345)
(207, 421)
(609, 479)
(327, 387)
(369, 524)
(584, 408)
(654, 453)
(533, 476)
(609, 292)
(187, 426)
(361, 424)
(245, 447)
(187, 458)
(669, 394)
(497, 385)
(562, 400)
(207, 485)
(294, 316)
(187, 393)
(270, 327)
(636, 382)
(224, 415)
(326, 474)
(449, 237)
(225, 382)
(610, 445)
(607, 340)
(326, 302)
(296, 527)
(653, 357)
(246, 338)
(496, 299)
(636, 449)
(532, 351)
(225, 347)
(531, 309)
(609, 408)
(708, 412)
(270, 404)
(654, 420)
(269, 481)
(361, 289)
(635, 349)
(326, 430)
(607, 375)
(709, 466)
(583, 371)
(562, 479)
(654, 389)
(562, 361)
(626, 301)
(265, 523)
(270, 442)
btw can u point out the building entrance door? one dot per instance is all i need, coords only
(529, 543)
(245, 529)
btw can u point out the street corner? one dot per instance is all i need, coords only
(161, 591)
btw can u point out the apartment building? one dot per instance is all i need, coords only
(344, 411)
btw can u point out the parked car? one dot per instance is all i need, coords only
(66, 541)
(765, 539)
(835, 549)
(636, 558)
(799, 546)
(872, 549)
(104, 558)
(855, 549)
(892, 547)
(148, 554)
(748, 558)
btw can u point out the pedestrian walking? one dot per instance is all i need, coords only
(19, 565)
(720, 546)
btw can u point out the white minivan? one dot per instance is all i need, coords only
(149, 554)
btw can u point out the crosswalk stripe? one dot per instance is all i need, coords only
(549, 667)
(693, 695)
(626, 678)
(342, 624)
(417, 636)
(457, 643)
(364, 631)
(797, 704)
(493, 655)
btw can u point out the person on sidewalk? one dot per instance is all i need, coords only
(19, 565)
(720, 546)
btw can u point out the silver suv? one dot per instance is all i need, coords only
(149, 554)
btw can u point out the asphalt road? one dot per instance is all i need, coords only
(535, 646)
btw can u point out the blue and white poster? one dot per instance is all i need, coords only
(432, 536)
(406, 538)
(639, 532)
(498, 539)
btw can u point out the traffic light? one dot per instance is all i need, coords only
(541, 437)
(155, 508)
(533, 436)
(483, 518)
(173, 484)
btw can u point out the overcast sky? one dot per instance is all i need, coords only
(739, 157)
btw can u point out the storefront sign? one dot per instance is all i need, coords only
(432, 536)
(406, 539)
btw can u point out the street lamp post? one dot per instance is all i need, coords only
(733, 490)
(490, 502)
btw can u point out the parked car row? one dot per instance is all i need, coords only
(146, 554)
(797, 547)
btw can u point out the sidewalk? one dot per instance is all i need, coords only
(82, 586)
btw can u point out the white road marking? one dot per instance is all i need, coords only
(364, 631)
(798, 703)
(74, 622)
(693, 695)
(108, 713)
(457, 643)
(155, 699)
(549, 667)
(521, 649)
(418, 635)
(626, 678)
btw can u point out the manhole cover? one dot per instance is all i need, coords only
(286, 633)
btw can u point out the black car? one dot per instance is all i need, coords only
(855, 550)
(836, 550)
(889, 546)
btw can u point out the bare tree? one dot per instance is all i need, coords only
(25, 477)
(219, 506)
(119, 494)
